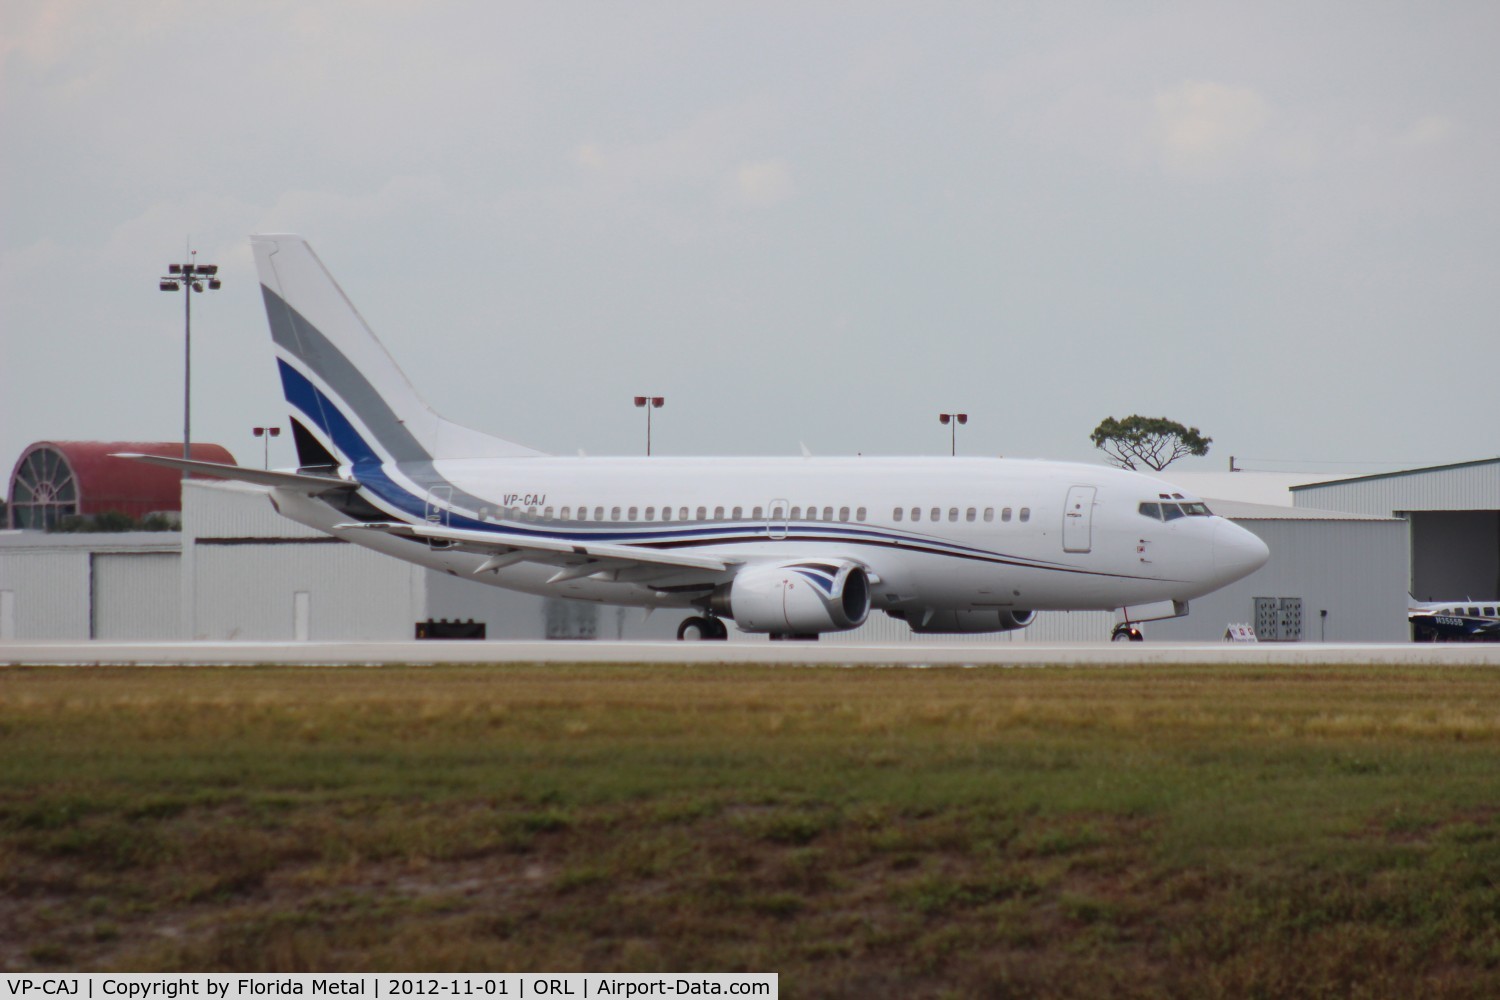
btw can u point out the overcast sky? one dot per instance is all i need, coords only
(803, 222)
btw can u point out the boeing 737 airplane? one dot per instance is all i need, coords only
(792, 547)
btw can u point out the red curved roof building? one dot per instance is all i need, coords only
(57, 479)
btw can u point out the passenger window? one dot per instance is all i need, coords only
(1170, 512)
(897, 514)
(796, 514)
(614, 513)
(828, 513)
(650, 514)
(666, 513)
(547, 513)
(1490, 612)
(953, 513)
(583, 513)
(718, 513)
(756, 513)
(1152, 510)
(1005, 514)
(969, 514)
(633, 512)
(1025, 514)
(567, 513)
(1474, 612)
(916, 513)
(531, 513)
(936, 514)
(859, 515)
(599, 514)
(739, 512)
(989, 514)
(702, 513)
(843, 513)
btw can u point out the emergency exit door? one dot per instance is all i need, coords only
(1078, 519)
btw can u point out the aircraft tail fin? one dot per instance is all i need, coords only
(350, 402)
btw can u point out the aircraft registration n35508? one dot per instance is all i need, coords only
(793, 547)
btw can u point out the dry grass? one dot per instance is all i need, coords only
(870, 832)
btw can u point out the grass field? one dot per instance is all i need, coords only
(864, 832)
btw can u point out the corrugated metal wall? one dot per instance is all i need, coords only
(1354, 570)
(249, 591)
(50, 592)
(244, 565)
(1465, 487)
(135, 595)
(213, 509)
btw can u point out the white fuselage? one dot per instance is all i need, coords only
(935, 533)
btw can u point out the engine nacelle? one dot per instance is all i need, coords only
(965, 621)
(799, 597)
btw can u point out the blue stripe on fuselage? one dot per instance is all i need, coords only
(370, 473)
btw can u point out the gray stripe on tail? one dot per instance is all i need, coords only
(291, 330)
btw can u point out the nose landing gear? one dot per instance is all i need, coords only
(700, 628)
(1126, 632)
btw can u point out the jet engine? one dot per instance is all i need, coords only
(799, 597)
(934, 621)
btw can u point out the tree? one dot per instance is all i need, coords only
(1153, 441)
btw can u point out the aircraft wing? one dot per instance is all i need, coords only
(300, 482)
(575, 559)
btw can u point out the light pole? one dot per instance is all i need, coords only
(190, 278)
(953, 420)
(650, 403)
(266, 433)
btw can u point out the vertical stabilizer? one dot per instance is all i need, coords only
(344, 388)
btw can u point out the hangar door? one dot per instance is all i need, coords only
(1455, 554)
(133, 595)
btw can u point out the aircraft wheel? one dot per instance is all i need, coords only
(696, 629)
(720, 631)
(1126, 633)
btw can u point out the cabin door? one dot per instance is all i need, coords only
(1078, 519)
(439, 501)
(776, 517)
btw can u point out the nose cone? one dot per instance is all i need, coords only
(1237, 552)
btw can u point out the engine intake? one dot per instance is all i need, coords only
(800, 597)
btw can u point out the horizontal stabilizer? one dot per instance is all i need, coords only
(297, 481)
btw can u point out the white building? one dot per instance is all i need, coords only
(1454, 512)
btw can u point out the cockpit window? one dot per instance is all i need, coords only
(1172, 511)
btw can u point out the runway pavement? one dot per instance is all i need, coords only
(217, 654)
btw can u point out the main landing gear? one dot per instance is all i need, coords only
(1126, 632)
(699, 628)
